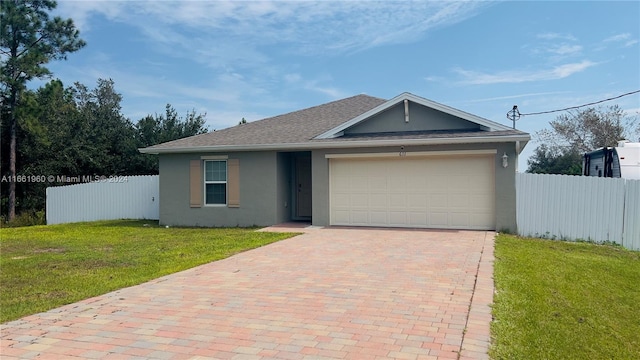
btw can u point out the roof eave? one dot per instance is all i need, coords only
(338, 144)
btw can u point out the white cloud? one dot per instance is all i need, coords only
(303, 27)
(630, 43)
(82, 11)
(331, 92)
(292, 78)
(565, 49)
(618, 37)
(556, 36)
(233, 36)
(624, 38)
(318, 85)
(554, 47)
(238, 37)
(563, 71)
(519, 76)
(556, 44)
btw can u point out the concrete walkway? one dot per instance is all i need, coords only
(334, 293)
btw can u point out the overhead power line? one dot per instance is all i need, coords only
(579, 106)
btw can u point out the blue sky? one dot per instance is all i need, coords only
(258, 59)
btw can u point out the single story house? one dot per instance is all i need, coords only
(359, 161)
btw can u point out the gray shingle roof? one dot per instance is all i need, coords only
(292, 128)
(302, 126)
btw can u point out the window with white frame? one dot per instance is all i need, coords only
(215, 182)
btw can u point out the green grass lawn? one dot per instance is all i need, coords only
(563, 300)
(43, 267)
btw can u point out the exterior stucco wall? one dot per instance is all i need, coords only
(320, 189)
(505, 192)
(259, 193)
(506, 189)
(421, 118)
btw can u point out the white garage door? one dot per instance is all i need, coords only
(452, 192)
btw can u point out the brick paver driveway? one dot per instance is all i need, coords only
(330, 293)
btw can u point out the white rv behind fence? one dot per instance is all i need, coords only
(622, 161)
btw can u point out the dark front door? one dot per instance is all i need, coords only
(303, 186)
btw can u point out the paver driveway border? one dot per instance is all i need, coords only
(331, 293)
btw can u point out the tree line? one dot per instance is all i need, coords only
(59, 130)
(78, 131)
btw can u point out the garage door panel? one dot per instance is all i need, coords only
(379, 201)
(359, 217)
(378, 183)
(437, 201)
(340, 201)
(341, 216)
(397, 201)
(459, 219)
(436, 192)
(359, 201)
(358, 184)
(478, 220)
(438, 219)
(398, 218)
(481, 183)
(357, 166)
(458, 200)
(418, 219)
(391, 166)
(438, 183)
(340, 183)
(459, 182)
(340, 167)
(417, 184)
(478, 201)
(417, 201)
(397, 184)
(379, 217)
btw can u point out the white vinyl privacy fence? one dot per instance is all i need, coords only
(579, 208)
(127, 197)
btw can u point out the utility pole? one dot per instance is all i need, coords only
(514, 115)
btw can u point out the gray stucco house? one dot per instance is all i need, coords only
(359, 161)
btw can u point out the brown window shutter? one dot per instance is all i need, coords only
(233, 183)
(195, 183)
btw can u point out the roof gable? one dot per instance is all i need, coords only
(410, 113)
